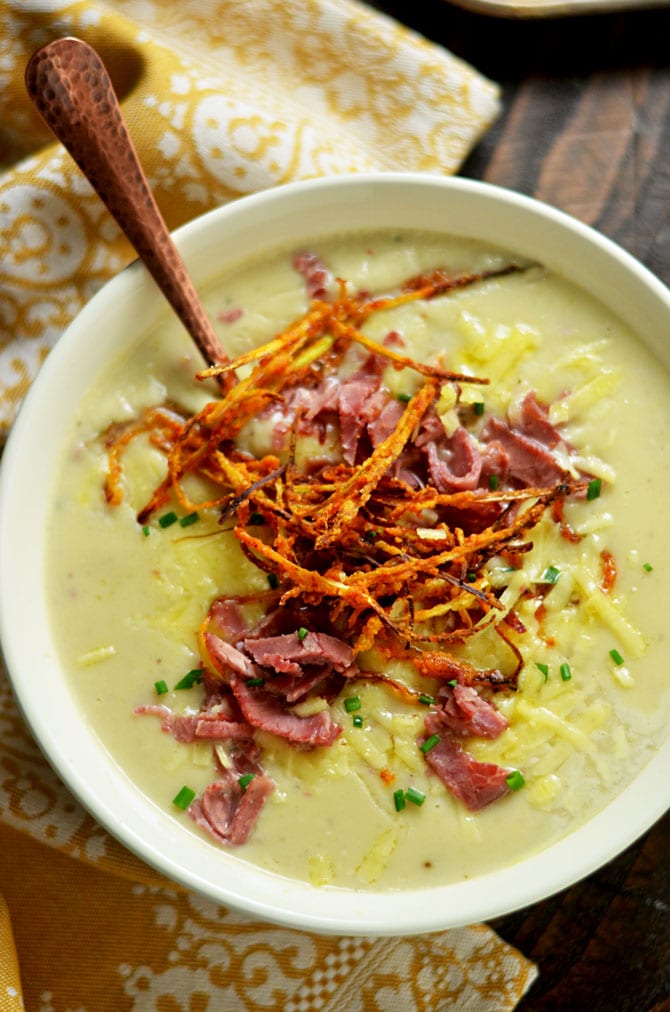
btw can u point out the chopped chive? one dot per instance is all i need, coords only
(515, 780)
(273, 580)
(168, 519)
(647, 567)
(479, 407)
(399, 800)
(426, 699)
(566, 673)
(405, 398)
(471, 576)
(253, 683)
(160, 687)
(429, 744)
(146, 530)
(190, 679)
(256, 519)
(416, 797)
(302, 633)
(183, 798)
(616, 656)
(190, 518)
(245, 780)
(352, 703)
(357, 720)
(493, 482)
(544, 668)
(593, 489)
(453, 683)
(550, 575)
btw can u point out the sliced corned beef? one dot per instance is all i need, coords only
(180, 726)
(190, 727)
(227, 658)
(289, 652)
(384, 423)
(431, 429)
(266, 711)
(226, 616)
(315, 273)
(228, 811)
(474, 783)
(495, 460)
(209, 726)
(464, 712)
(456, 468)
(352, 401)
(530, 462)
(534, 421)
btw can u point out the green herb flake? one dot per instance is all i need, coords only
(426, 699)
(273, 580)
(245, 780)
(453, 683)
(616, 657)
(193, 677)
(543, 668)
(416, 797)
(254, 683)
(357, 720)
(399, 800)
(168, 519)
(494, 481)
(515, 780)
(146, 530)
(302, 633)
(405, 398)
(479, 407)
(183, 798)
(566, 673)
(429, 744)
(550, 575)
(352, 703)
(190, 518)
(594, 488)
(648, 567)
(160, 687)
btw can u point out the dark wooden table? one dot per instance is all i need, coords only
(586, 127)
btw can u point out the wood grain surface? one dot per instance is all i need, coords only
(585, 127)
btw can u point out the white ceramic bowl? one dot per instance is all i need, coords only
(290, 214)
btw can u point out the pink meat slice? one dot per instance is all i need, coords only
(188, 727)
(530, 462)
(264, 710)
(458, 468)
(316, 275)
(288, 652)
(475, 784)
(229, 811)
(464, 712)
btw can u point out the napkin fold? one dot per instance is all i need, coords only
(223, 98)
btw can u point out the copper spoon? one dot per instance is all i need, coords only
(70, 87)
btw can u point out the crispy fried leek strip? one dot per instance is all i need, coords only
(308, 582)
(354, 494)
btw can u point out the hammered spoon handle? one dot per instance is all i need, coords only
(71, 89)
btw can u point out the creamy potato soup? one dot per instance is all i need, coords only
(369, 754)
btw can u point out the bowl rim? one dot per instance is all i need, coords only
(254, 891)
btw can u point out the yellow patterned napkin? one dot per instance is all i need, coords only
(223, 97)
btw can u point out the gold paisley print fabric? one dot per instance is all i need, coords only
(223, 97)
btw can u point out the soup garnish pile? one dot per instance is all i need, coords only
(424, 571)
